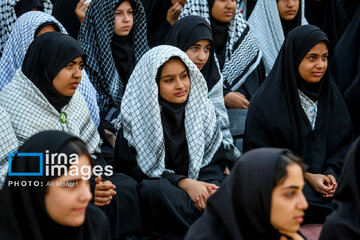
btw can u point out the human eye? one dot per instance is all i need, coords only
(168, 80)
(206, 49)
(185, 75)
(130, 11)
(325, 57)
(70, 65)
(194, 48)
(290, 194)
(118, 13)
(81, 65)
(312, 57)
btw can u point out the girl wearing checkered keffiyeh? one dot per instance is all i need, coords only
(237, 53)
(169, 141)
(114, 38)
(26, 28)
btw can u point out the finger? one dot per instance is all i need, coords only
(104, 193)
(101, 200)
(241, 95)
(98, 179)
(104, 187)
(80, 3)
(332, 179)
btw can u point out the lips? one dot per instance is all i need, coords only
(291, 12)
(125, 28)
(180, 94)
(228, 14)
(299, 218)
(317, 74)
(199, 65)
(75, 84)
(80, 210)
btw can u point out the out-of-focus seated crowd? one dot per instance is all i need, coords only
(179, 119)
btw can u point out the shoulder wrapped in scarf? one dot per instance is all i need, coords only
(95, 37)
(8, 18)
(30, 112)
(21, 37)
(242, 52)
(266, 27)
(8, 143)
(141, 120)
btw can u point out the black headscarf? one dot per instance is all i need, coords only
(173, 122)
(276, 117)
(24, 6)
(289, 25)
(45, 58)
(22, 210)
(64, 12)
(220, 33)
(243, 203)
(344, 221)
(329, 16)
(157, 25)
(186, 32)
(56, 26)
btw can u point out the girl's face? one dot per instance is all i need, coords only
(199, 53)
(68, 79)
(124, 19)
(47, 28)
(68, 196)
(224, 10)
(288, 202)
(174, 82)
(313, 66)
(288, 9)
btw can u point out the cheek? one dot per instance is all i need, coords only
(165, 91)
(191, 55)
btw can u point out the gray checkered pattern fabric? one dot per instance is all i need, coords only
(8, 18)
(266, 27)
(8, 143)
(216, 96)
(31, 113)
(141, 120)
(16, 47)
(242, 52)
(95, 38)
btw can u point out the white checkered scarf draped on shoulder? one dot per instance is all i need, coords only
(95, 38)
(30, 113)
(8, 18)
(141, 120)
(15, 50)
(8, 143)
(242, 52)
(266, 27)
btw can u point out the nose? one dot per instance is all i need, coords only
(228, 4)
(179, 83)
(78, 72)
(85, 194)
(291, 3)
(302, 203)
(202, 55)
(126, 18)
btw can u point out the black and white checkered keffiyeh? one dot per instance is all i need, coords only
(242, 52)
(16, 47)
(141, 120)
(8, 18)
(266, 27)
(30, 113)
(95, 38)
(8, 143)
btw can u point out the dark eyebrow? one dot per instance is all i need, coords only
(170, 75)
(291, 187)
(316, 54)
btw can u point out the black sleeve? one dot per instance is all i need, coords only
(125, 159)
(214, 172)
(173, 178)
(159, 36)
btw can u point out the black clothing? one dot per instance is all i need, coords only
(345, 64)
(122, 49)
(239, 210)
(329, 16)
(22, 210)
(64, 12)
(157, 25)
(47, 55)
(276, 117)
(54, 24)
(344, 221)
(221, 36)
(24, 6)
(350, 7)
